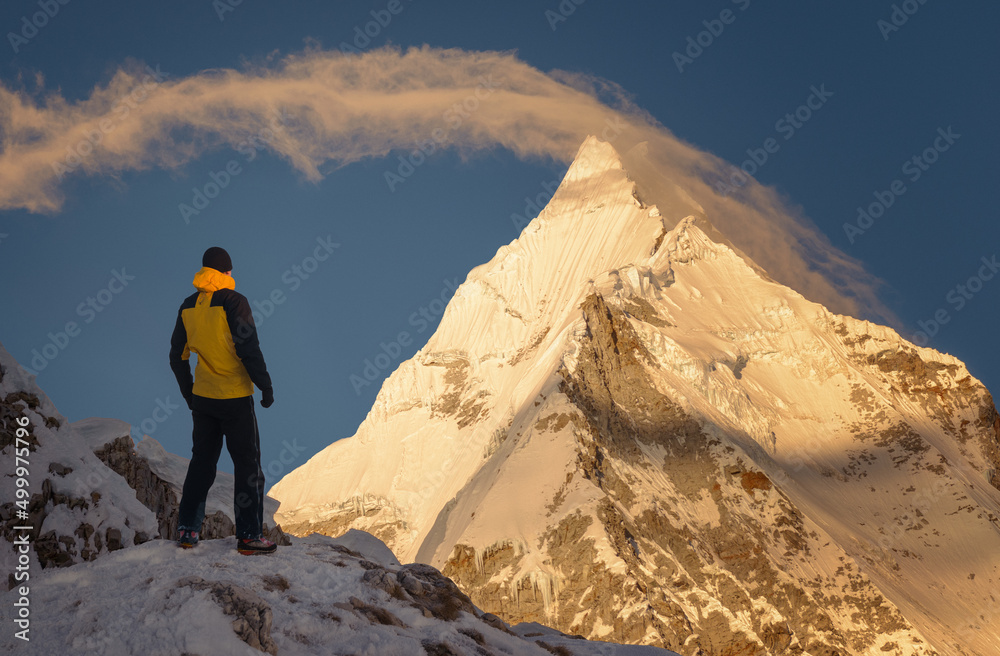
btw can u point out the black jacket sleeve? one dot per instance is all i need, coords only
(180, 366)
(244, 332)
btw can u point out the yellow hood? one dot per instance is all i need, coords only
(211, 280)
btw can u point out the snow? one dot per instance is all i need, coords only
(366, 543)
(17, 379)
(134, 601)
(131, 602)
(98, 431)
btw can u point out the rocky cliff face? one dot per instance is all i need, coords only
(625, 429)
(152, 491)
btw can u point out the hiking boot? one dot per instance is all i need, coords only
(255, 546)
(187, 539)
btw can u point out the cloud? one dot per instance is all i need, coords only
(338, 108)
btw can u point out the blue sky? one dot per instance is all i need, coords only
(924, 89)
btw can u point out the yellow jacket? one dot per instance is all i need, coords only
(216, 324)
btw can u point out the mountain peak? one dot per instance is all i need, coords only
(624, 427)
(593, 158)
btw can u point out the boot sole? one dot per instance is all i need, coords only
(255, 552)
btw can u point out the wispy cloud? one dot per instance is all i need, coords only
(340, 108)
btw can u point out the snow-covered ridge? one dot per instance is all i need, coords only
(319, 596)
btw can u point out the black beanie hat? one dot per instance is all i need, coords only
(218, 259)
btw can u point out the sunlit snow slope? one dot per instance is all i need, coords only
(623, 428)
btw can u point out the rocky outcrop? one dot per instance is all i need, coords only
(152, 491)
(56, 549)
(72, 517)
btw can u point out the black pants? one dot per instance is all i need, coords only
(234, 419)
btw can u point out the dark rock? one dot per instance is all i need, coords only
(113, 536)
(438, 594)
(496, 623)
(384, 581)
(432, 648)
(58, 469)
(84, 531)
(375, 614)
(52, 551)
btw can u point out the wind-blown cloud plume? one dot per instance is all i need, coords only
(338, 108)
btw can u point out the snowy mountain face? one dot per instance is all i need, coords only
(624, 429)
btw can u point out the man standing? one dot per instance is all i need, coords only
(216, 324)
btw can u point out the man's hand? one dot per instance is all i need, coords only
(267, 398)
